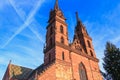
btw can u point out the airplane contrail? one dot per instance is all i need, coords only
(36, 33)
(23, 19)
(26, 23)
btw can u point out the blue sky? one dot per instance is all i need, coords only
(23, 27)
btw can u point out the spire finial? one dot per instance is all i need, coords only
(77, 17)
(56, 7)
(10, 61)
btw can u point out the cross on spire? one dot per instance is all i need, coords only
(56, 7)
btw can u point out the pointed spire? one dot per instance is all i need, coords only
(56, 7)
(77, 17)
(9, 69)
(79, 22)
(10, 61)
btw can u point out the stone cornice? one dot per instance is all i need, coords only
(76, 51)
(71, 50)
(52, 20)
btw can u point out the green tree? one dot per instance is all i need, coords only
(111, 62)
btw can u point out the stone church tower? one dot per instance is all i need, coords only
(75, 61)
(64, 60)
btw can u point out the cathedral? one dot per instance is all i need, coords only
(62, 60)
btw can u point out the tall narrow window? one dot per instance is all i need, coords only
(91, 53)
(63, 57)
(62, 40)
(88, 42)
(61, 29)
(82, 72)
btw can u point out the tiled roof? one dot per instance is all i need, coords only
(19, 72)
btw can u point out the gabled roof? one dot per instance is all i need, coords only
(18, 72)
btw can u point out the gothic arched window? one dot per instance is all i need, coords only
(88, 42)
(82, 72)
(62, 40)
(63, 57)
(61, 29)
(91, 53)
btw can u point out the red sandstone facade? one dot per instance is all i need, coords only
(67, 57)
(64, 60)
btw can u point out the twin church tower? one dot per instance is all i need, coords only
(62, 60)
(73, 61)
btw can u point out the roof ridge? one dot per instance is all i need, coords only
(21, 66)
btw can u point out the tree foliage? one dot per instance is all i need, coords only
(111, 62)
